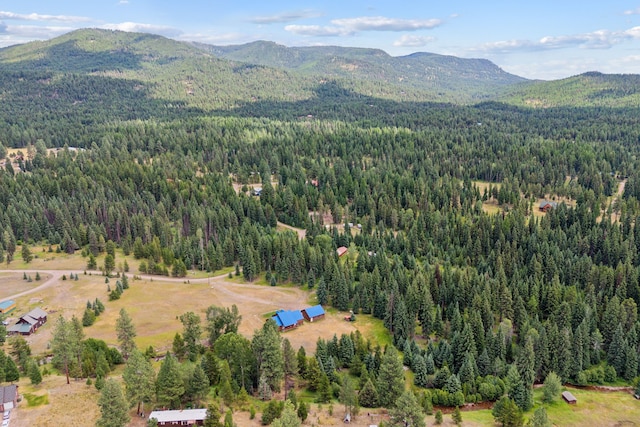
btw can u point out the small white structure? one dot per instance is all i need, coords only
(185, 417)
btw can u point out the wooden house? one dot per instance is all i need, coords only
(546, 206)
(29, 323)
(185, 417)
(288, 319)
(311, 314)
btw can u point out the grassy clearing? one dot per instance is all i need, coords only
(594, 408)
(373, 329)
(36, 400)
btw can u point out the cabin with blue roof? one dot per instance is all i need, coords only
(7, 306)
(313, 313)
(288, 319)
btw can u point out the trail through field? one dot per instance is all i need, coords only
(56, 275)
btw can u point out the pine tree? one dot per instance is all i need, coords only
(34, 373)
(616, 353)
(113, 406)
(539, 419)
(266, 345)
(289, 418)
(198, 385)
(169, 386)
(192, 332)
(390, 378)
(507, 412)
(348, 396)
(406, 411)
(126, 333)
(518, 391)
(631, 363)
(457, 416)
(421, 378)
(139, 379)
(210, 366)
(552, 387)
(178, 346)
(368, 396)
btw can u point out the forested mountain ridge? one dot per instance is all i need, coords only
(448, 76)
(588, 89)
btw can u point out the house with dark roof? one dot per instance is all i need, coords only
(8, 397)
(546, 205)
(185, 417)
(313, 313)
(7, 306)
(29, 323)
(288, 319)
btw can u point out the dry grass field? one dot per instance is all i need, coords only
(59, 404)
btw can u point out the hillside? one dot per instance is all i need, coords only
(585, 90)
(448, 76)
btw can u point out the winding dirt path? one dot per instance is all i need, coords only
(56, 275)
(301, 232)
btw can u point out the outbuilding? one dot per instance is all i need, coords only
(569, 397)
(311, 314)
(7, 306)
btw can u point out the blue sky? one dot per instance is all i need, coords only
(541, 39)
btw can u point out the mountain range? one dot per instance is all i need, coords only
(226, 77)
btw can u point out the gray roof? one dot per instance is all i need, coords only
(567, 395)
(8, 393)
(37, 313)
(22, 328)
(183, 415)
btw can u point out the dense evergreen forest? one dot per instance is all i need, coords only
(493, 299)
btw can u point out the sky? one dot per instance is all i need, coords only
(536, 39)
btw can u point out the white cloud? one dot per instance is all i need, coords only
(123, 2)
(216, 39)
(135, 27)
(285, 17)
(351, 26)
(317, 30)
(601, 39)
(635, 11)
(381, 23)
(413, 41)
(17, 34)
(40, 17)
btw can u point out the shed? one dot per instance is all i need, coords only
(7, 306)
(341, 250)
(313, 313)
(569, 397)
(288, 319)
(185, 417)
